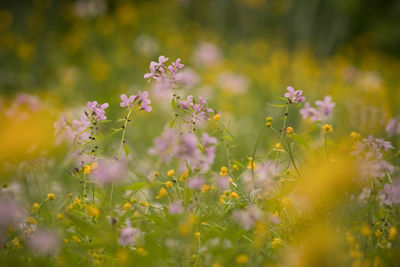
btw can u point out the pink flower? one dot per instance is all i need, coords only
(175, 208)
(294, 96)
(127, 102)
(44, 242)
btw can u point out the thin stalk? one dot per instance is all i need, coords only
(123, 132)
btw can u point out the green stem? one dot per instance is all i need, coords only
(123, 132)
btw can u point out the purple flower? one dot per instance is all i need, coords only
(11, 214)
(127, 102)
(207, 54)
(223, 182)
(294, 96)
(323, 110)
(144, 101)
(390, 194)
(44, 242)
(393, 127)
(129, 235)
(98, 112)
(165, 146)
(196, 183)
(186, 104)
(107, 172)
(175, 208)
(198, 109)
(247, 218)
(308, 111)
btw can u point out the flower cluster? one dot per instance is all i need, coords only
(198, 109)
(321, 112)
(160, 72)
(393, 127)
(185, 147)
(294, 96)
(142, 101)
(97, 110)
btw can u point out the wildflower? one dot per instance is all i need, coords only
(294, 96)
(77, 202)
(168, 184)
(144, 101)
(129, 235)
(274, 218)
(217, 117)
(234, 195)
(171, 173)
(207, 54)
(16, 242)
(196, 183)
(31, 220)
(205, 188)
(327, 128)
(35, 207)
(198, 109)
(44, 242)
(278, 146)
(60, 216)
(162, 193)
(197, 234)
(276, 242)
(393, 127)
(235, 167)
(224, 171)
(365, 230)
(286, 201)
(76, 239)
(390, 194)
(127, 102)
(242, 259)
(252, 165)
(126, 206)
(321, 112)
(92, 211)
(98, 112)
(248, 217)
(355, 136)
(108, 172)
(392, 233)
(142, 251)
(175, 208)
(69, 208)
(86, 169)
(289, 130)
(51, 196)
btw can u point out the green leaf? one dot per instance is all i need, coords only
(171, 124)
(226, 137)
(300, 140)
(173, 104)
(126, 147)
(115, 131)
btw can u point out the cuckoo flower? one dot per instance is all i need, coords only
(98, 110)
(127, 102)
(294, 96)
(321, 112)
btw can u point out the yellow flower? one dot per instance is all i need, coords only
(197, 234)
(235, 167)
(205, 188)
(286, 201)
(142, 251)
(69, 208)
(35, 207)
(184, 176)
(171, 173)
(278, 146)
(78, 202)
(392, 233)
(86, 169)
(60, 216)
(224, 171)
(327, 128)
(31, 220)
(355, 136)
(252, 165)
(217, 117)
(289, 131)
(168, 184)
(234, 195)
(126, 206)
(92, 211)
(276, 242)
(365, 230)
(156, 174)
(242, 258)
(76, 239)
(51, 196)
(162, 193)
(93, 166)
